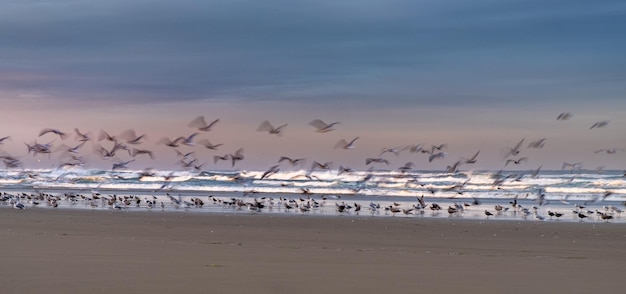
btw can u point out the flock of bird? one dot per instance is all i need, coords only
(129, 145)
(124, 148)
(304, 204)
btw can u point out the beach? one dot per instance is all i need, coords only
(81, 251)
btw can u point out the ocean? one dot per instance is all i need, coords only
(578, 195)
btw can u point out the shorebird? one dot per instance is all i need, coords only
(291, 161)
(434, 156)
(131, 138)
(123, 164)
(82, 136)
(4, 139)
(207, 144)
(18, 205)
(322, 127)
(217, 158)
(200, 124)
(170, 143)
(267, 127)
(488, 213)
(537, 144)
(344, 169)
(515, 150)
(572, 166)
(609, 150)
(105, 136)
(188, 140)
(61, 134)
(323, 166)
(472, 159)
(136, 152)
(564, 116)
(518, 161)
(599, 124)
(237, 156)
(376, 160)
(345, 144)
(272, 170)
(406, 167)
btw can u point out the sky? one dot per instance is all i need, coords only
(474, 75)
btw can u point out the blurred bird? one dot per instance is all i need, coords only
(537, 144)
(272, 170)
(345, 144)
(238, 155)
(322, 127)
(200, 124)
(208, 145)
(265, 126)
(291, 161)
(599, 124)
(564, 116)
(472, 160)
(61, 134)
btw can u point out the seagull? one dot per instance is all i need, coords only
(472, 160)
(516, 161)
(4, 139)
(599, 124)
(61, 134)
(572, 166)
(136, 152)
(188, 140)
(323, 166)
(609, 151)
(105, 136)
(225, 157)
(82, 137)
(291, 161)
(434, 156)
(564, 116)
(537, 144)
(376, 160)
(515, 150)
(345, 144)
(237, 156)
(18, 205)
(267, 127)
(200, 124)
(131, 137)
(406, 167)
(208, 145)
(322, 127)
(171, 143)
(272, 170)
(122, 164)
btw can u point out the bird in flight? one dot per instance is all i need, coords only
(200, 124)
(322, 127)
(265, 126)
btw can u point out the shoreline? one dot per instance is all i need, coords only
(162, 252)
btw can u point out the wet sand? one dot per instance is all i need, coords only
(72, 251)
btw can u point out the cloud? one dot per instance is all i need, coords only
(421, 52)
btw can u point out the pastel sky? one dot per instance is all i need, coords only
(475, 75)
